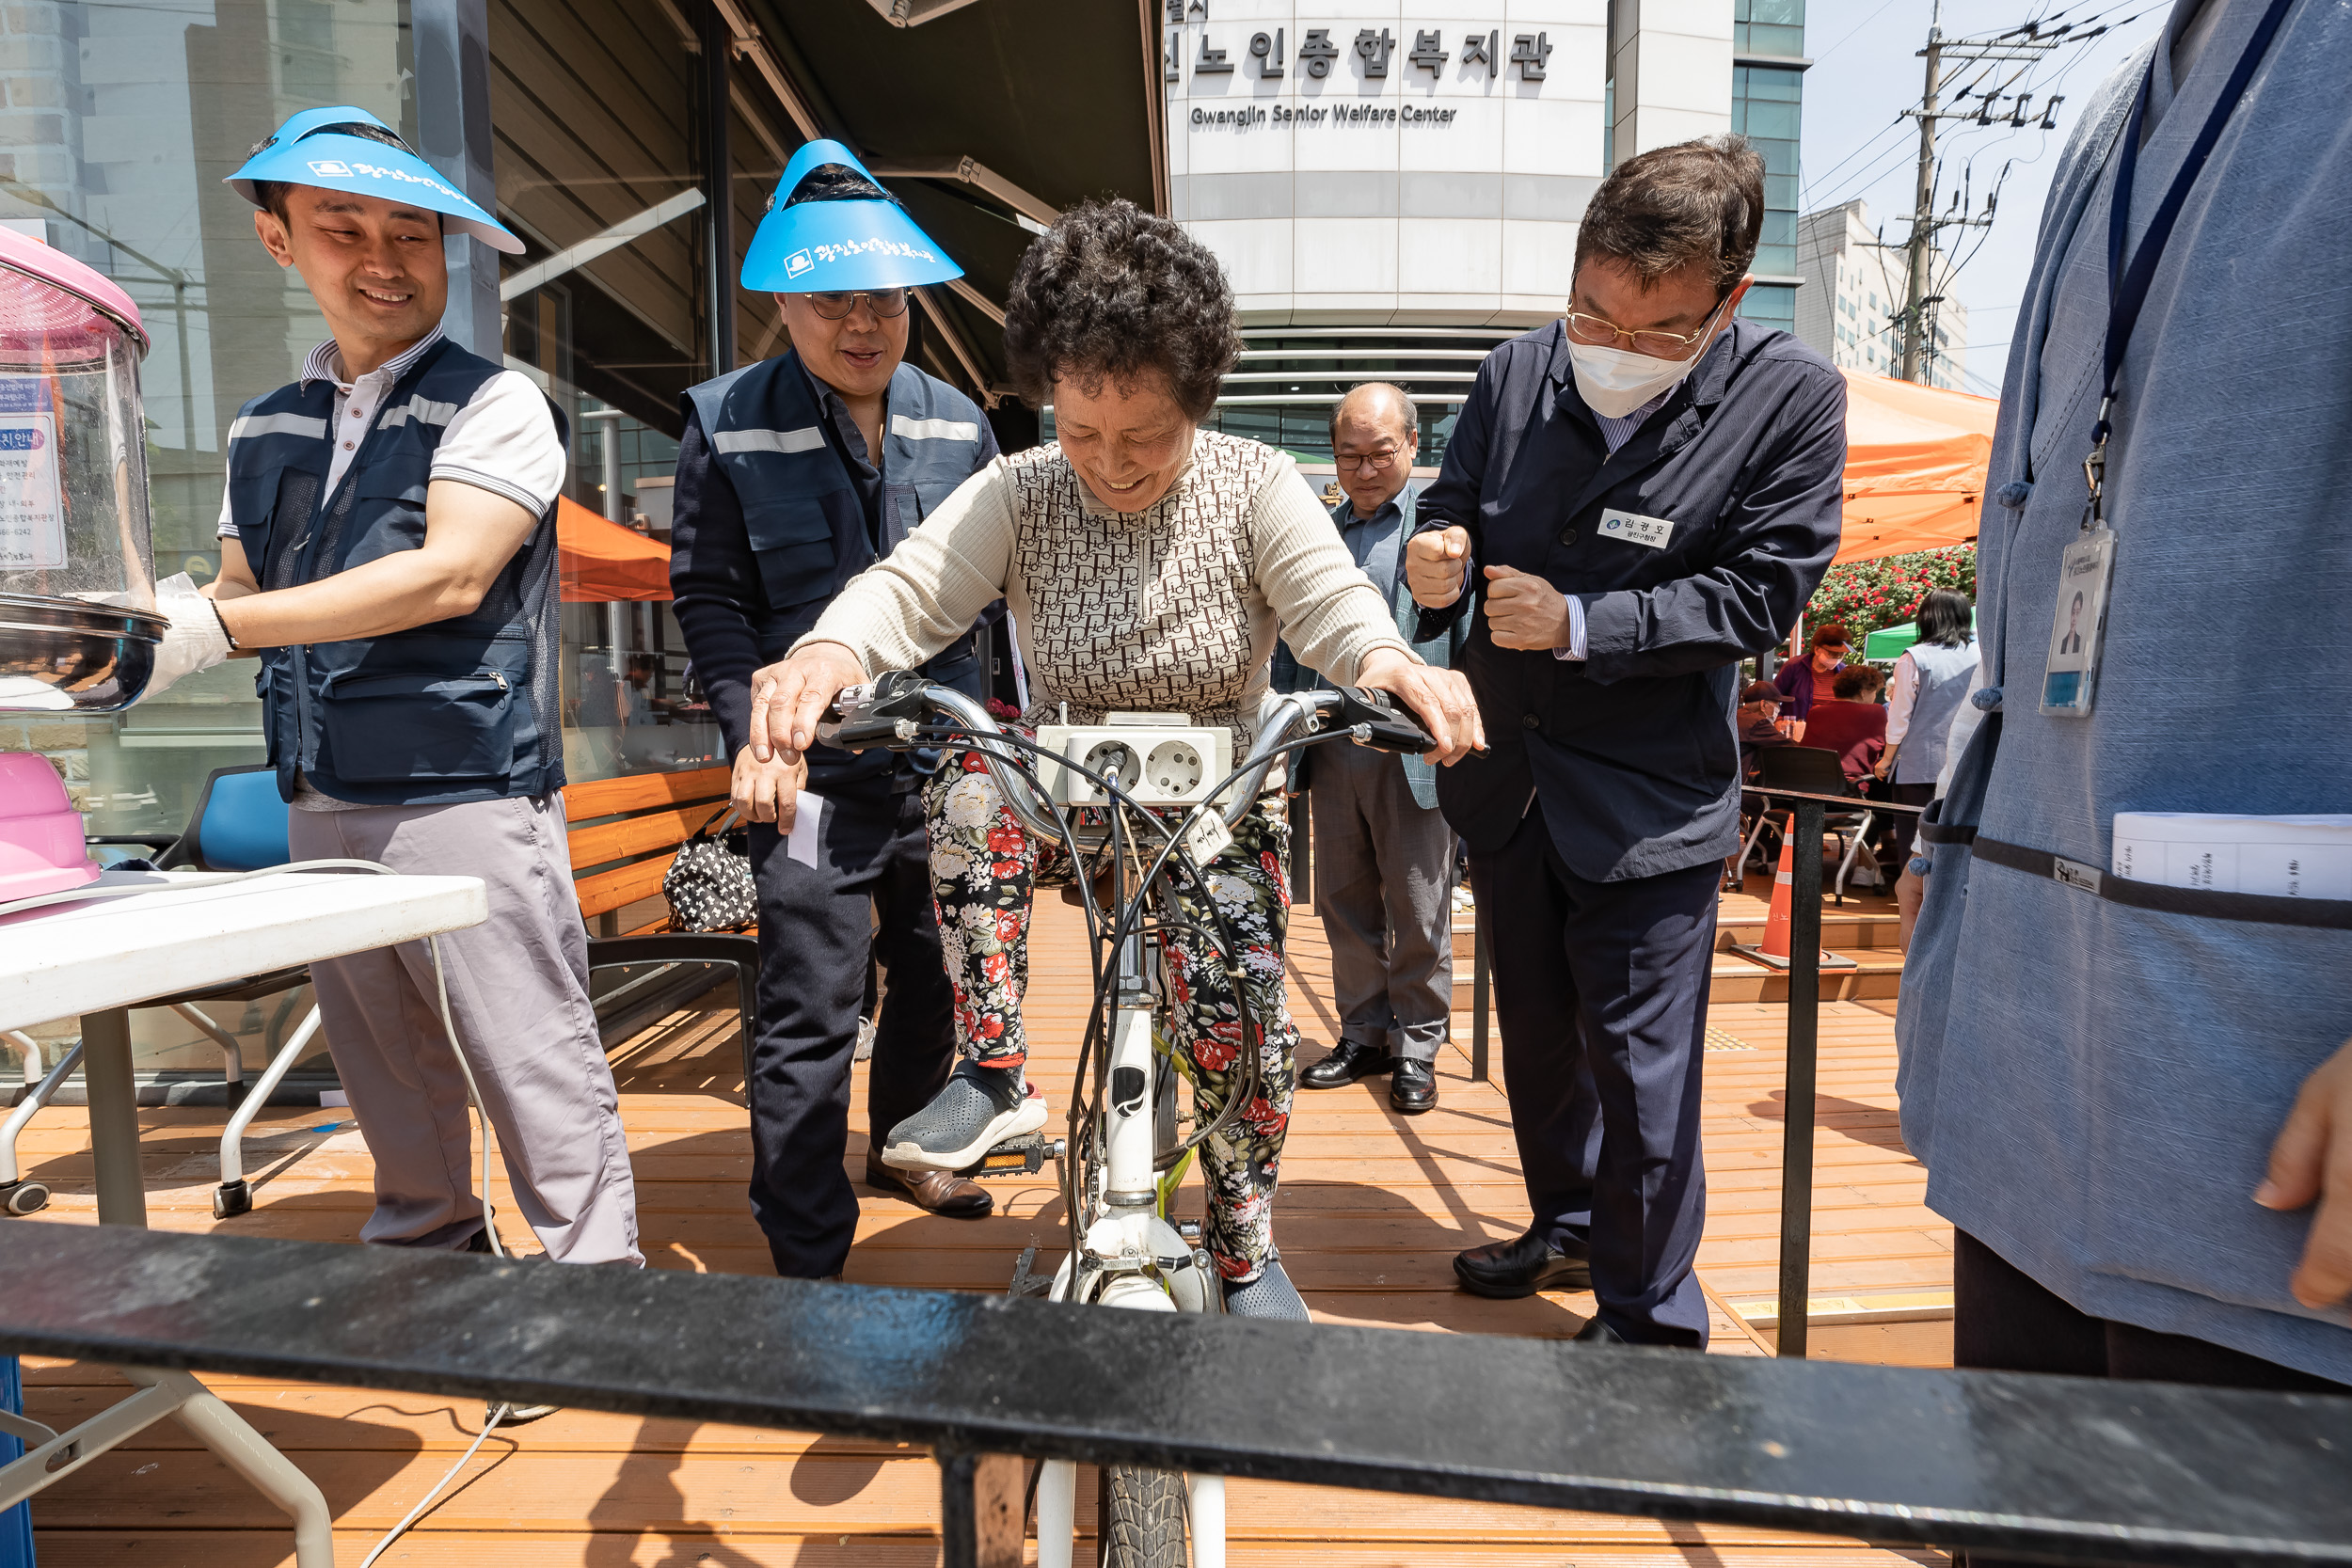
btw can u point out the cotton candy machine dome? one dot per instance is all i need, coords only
(77, 583)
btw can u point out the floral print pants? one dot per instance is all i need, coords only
(985, 874)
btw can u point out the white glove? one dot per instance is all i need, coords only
(196, 640)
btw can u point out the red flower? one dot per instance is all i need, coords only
(1004, 839)
(991, 1027)
(975, 762)
(1004, 870)
(1007, 924)
(1263, 1118)
(1273, 864)
(994, 968)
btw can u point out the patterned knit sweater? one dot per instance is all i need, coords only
(1173, 609)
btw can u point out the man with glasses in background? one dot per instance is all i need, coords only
(794, 475)
(1647, 493)
(1384, 856)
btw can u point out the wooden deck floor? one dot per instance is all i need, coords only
(1373, 1206)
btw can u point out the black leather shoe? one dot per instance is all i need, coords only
(1598, 1332)
(1348, 1061)
(1509, 1270)
(1412, 1086)
(942, 1191)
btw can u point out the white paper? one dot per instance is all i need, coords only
(2280, 856)
(808, 819)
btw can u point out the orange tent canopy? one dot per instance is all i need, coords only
(1916, 461)
(602, 562)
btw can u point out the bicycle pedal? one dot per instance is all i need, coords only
(1025, 1155)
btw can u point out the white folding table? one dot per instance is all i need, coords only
(101, 957)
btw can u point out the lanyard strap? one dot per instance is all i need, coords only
(2128, 281)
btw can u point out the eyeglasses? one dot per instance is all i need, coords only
(1372, 462)
(1600, 332)
(835, 307)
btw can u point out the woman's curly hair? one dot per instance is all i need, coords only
(1112, 292)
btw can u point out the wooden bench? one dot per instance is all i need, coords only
(627, 831)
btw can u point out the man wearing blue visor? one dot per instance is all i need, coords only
(388, 548)
(794, 475)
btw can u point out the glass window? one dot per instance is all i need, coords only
(595, 109)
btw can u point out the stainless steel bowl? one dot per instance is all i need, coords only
(71, 656)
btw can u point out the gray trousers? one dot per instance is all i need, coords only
(1384, 870)
(519, 993)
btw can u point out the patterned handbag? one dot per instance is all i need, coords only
(708, 884)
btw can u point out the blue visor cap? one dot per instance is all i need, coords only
(830, 228)
(347, 149)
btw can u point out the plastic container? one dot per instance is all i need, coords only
(41, 847)
(78, 595)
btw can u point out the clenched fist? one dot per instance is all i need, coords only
(1525, 611)
(1435, 565)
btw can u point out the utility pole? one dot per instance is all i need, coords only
(1923, 203)
(1917, 321)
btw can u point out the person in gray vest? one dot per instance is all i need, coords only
(1384, 856)
(793, 476)
(1931, 682)
(2132, 1092)
(388, 548)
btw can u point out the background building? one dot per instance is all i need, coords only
(1393, 192)
(1849, 308)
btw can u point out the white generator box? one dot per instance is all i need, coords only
(1161, 758)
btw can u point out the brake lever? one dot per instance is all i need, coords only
(1379, 723)
(884, 712)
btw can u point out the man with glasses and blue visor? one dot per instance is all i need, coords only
(1650, 491)
(793, 476)
(388, 548)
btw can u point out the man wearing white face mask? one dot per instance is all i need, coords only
(1649, 491)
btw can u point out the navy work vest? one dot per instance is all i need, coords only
(462, 710)
(808, 529)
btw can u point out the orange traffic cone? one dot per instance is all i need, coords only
(1776, 940)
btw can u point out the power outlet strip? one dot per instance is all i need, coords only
(1161, 758)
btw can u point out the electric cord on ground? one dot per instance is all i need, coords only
(489, 1423)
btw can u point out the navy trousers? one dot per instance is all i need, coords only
(1601, 992)
(817, 934)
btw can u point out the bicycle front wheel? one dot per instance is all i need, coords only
(1140, 1517)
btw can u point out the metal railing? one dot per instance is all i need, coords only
(1805, 1042)
(2061, 1469)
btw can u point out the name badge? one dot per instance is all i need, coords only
(1649, 532)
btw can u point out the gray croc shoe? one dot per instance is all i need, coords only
(1269, 1295)
(980, 1108)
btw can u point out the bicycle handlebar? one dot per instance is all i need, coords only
(886, 712)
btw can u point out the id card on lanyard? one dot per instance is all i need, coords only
(2086, 565)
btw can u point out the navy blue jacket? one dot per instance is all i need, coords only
(461, 709)
(1631, 752)
(766, 528)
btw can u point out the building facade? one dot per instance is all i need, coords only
(1851, 307)
(1395, 189)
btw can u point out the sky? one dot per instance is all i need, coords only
(1866, 69)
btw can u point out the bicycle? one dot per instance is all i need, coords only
(1130, 800)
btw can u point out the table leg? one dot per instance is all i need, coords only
(247, 1452)
(114, 1117)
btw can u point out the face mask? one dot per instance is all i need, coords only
(1615, 381)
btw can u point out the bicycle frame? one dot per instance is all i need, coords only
(1125, 1251)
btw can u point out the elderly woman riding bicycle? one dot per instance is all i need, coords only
(1148, 565)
